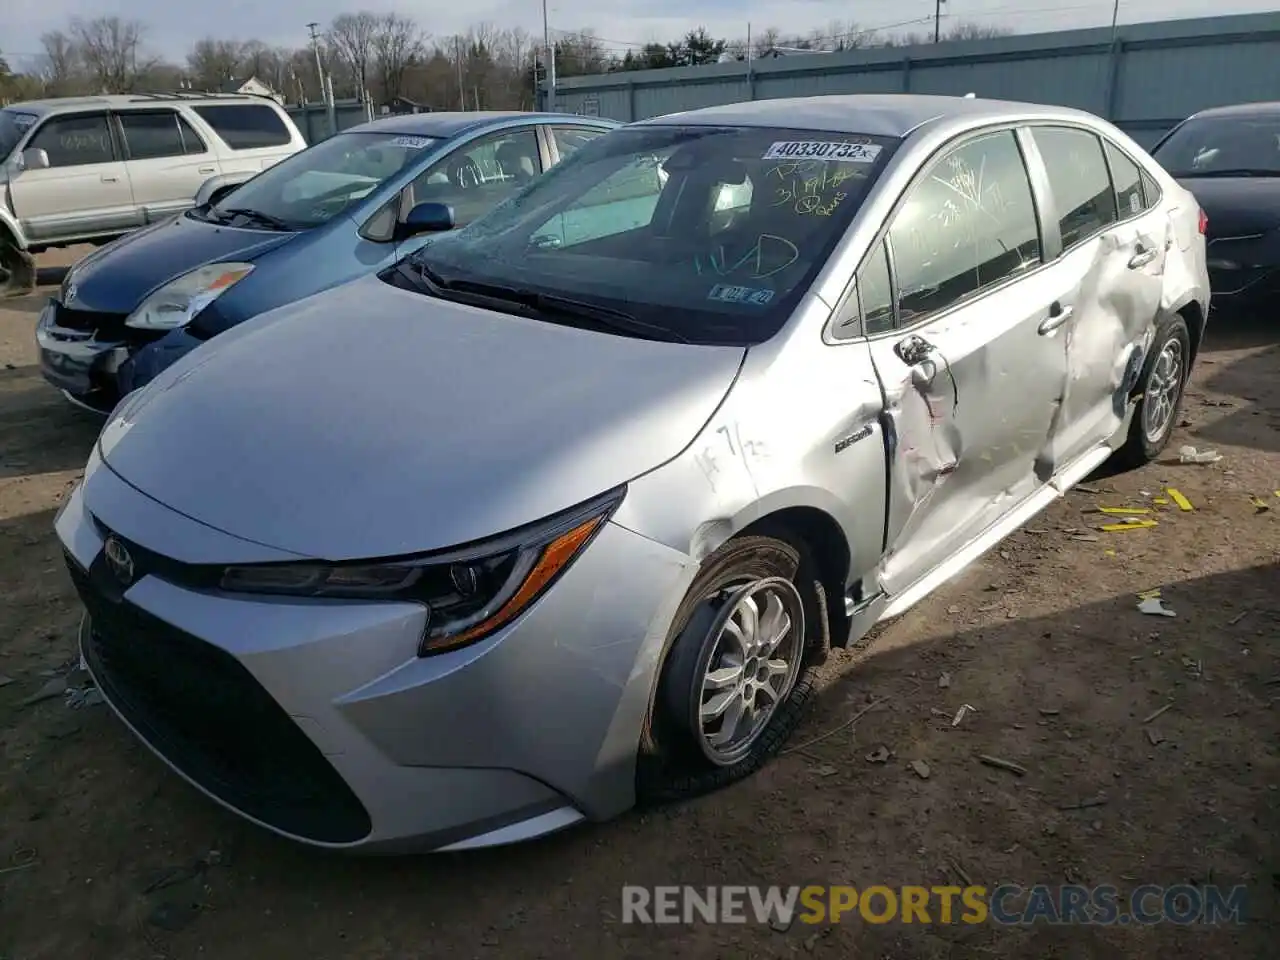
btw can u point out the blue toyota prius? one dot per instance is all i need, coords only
(345, 207)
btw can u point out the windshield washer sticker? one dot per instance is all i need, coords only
(728, 293)
(823, 150)
(23, 120)
(413, 143)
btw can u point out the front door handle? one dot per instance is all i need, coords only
(1058, 315)
(1141, 258)
(107, 178)
(208, 170)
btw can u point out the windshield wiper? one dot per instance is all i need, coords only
(256, 216)
(426, 279)
(1231, 172)
(549, 303)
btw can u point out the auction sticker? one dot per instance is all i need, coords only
(727, 293)
(413, 143)
(823, 150)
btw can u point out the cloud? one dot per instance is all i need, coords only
(173, 25)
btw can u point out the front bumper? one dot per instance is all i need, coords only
(318, 721)
(78, 363)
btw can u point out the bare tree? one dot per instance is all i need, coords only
(351, 37)
(397, 43)
(110, 48)
(61, 65)
(213, 63)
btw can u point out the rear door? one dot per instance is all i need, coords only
(1108, 279)
(168, 160)
(85, 190)
(970, 384)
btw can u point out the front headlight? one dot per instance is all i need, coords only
(176, 303)
(468, 593)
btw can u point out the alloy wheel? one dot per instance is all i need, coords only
(1164, 386)
(753, 661)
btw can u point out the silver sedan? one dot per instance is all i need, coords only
(562, 512)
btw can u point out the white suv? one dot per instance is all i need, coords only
(92, 168)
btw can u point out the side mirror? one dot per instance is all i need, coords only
(34, 159)
(426, 218)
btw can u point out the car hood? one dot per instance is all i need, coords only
(1237, 206)
(370, 421)
(116, 278)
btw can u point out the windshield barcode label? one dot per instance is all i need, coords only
(823, 150)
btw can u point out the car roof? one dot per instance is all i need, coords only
(445, 124)
(883, 115)
(133, 101)
(1268, 108)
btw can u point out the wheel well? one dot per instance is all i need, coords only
(819, 534)
(1194, 317)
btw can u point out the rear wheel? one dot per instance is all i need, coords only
(1163, 378)
(738, 672)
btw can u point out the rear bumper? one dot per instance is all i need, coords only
(1246, 290)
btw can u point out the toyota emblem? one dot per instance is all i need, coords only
(121, 561)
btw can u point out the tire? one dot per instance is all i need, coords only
(676, 761)
(1144, 444)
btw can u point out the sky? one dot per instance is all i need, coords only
(172, 26)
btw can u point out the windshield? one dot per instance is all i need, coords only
(1223, 146)
(711, 233)
(312, 187)
(13, 126)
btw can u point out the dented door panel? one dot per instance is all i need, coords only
(970, 424)
(1114, 284)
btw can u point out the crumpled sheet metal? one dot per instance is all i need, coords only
(1092, 357)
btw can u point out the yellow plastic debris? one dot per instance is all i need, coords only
(1109, 553)
(1182, 502)
(1160, 500)
(1149, 594)
(1259, 503)
(1124, 511)
(1133, 525)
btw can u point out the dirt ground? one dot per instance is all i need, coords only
(105, 854)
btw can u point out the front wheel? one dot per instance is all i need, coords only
(738, 672)
(1163, 378)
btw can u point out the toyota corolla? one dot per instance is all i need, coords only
(570, 514)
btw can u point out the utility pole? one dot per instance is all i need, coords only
(315, 46)
(937, 19)
(462, 90)
(551, 60)
(1115, 16)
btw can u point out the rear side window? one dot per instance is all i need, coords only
(968, 224)
(569, 139)
(875, 293)
(246, 126)
(1127, 180)
(1150, 190)
(163, 133)
(1079, 179)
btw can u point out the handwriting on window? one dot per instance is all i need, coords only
(811, 188)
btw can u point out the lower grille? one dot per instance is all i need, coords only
(107, 325)
(207, 715)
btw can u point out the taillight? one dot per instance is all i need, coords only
(1204, 222)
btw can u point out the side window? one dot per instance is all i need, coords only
(1079, 180)
(621, 202)
(151, 135)
(569, 139)
(969, 223)
(192, 143)
(1150, 190)
(74, 141)
(245, 126)
(1127, 180)
(478, 176)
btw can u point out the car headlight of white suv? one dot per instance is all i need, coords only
(176, 303)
